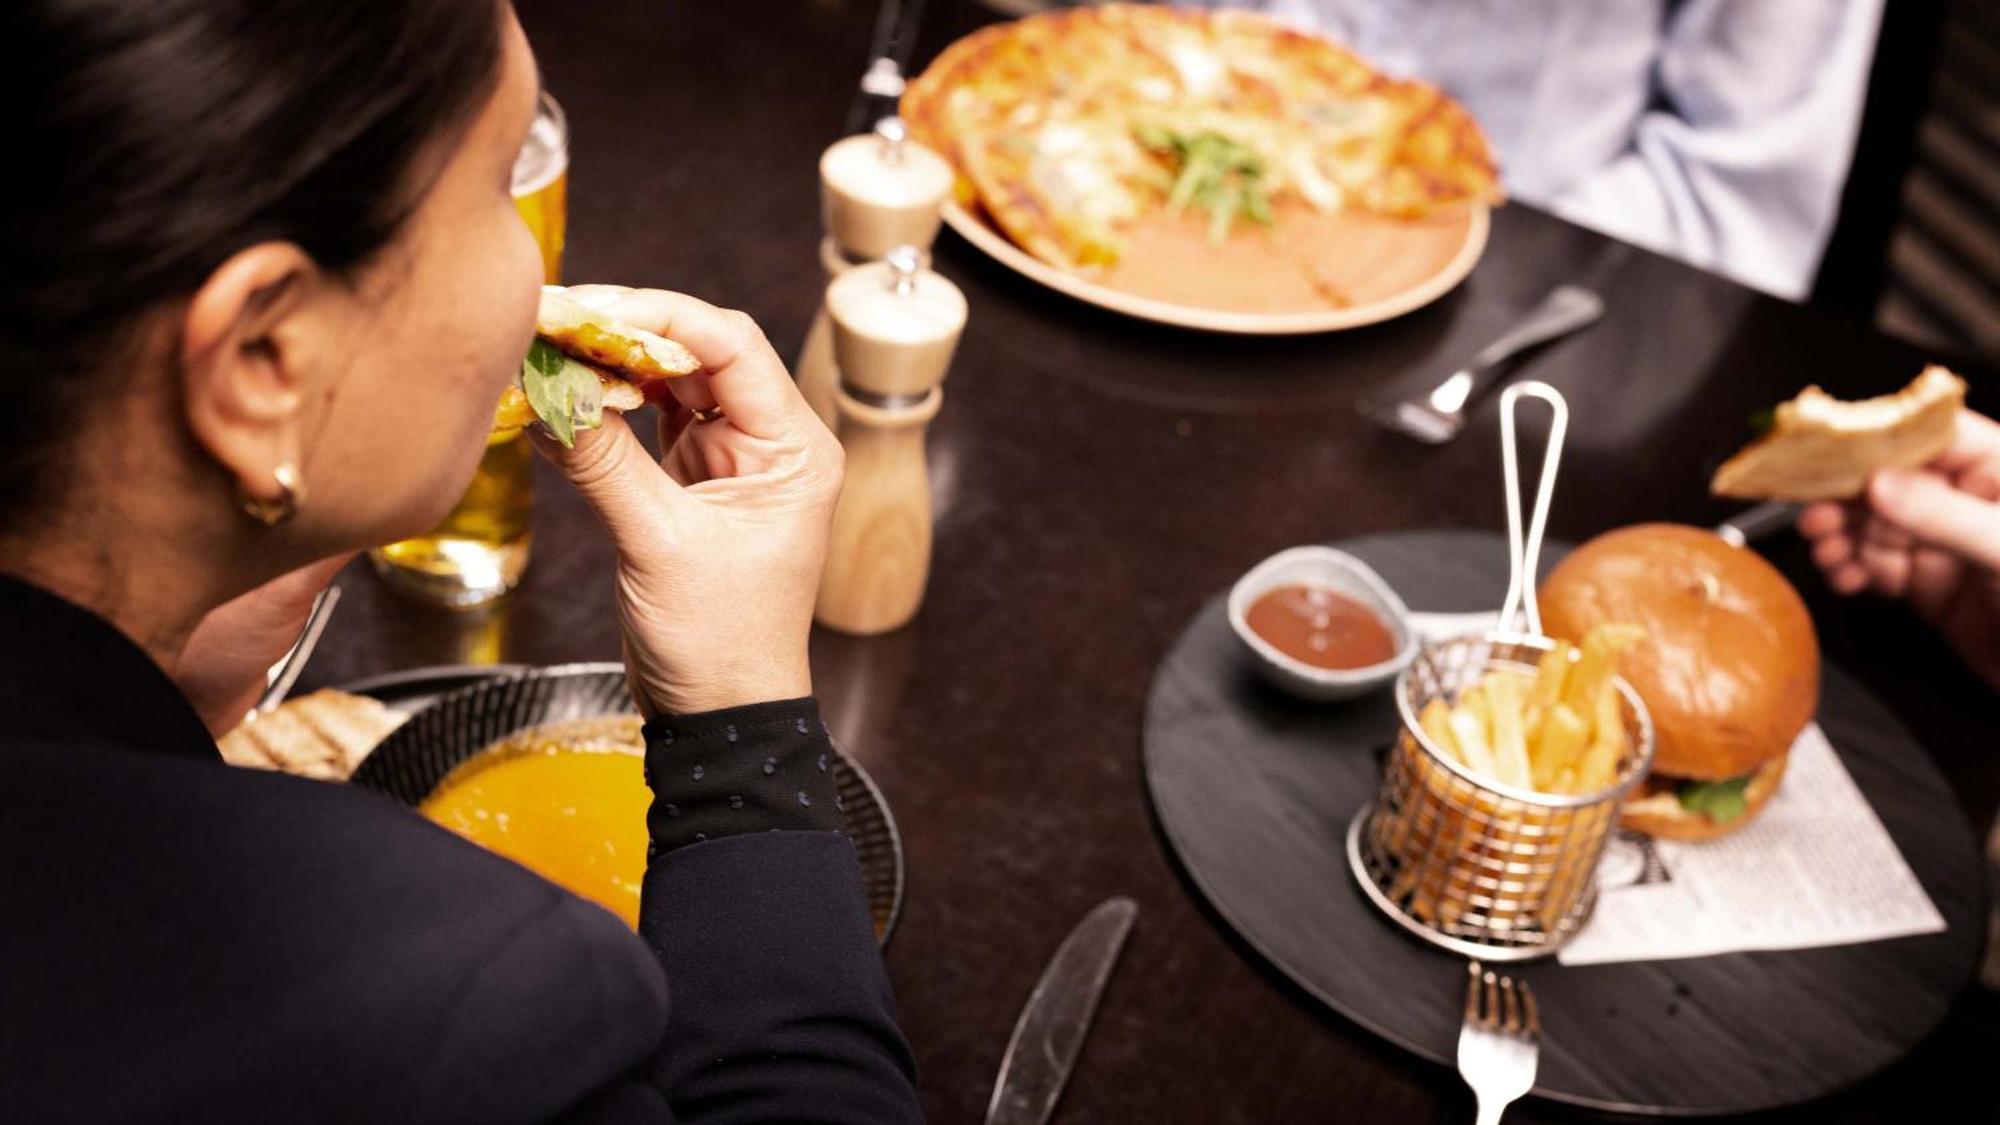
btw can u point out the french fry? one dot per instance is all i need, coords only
(1619, 637)
(1505, 723)
(1609, 721)
(1520, 679)
(1608, 718)
(1435, 719)
(1595, 666)
(1558, 743)
(1550, 675)
(1599, 765)
(1472, 701)
(1468, 726)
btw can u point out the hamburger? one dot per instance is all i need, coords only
(1729, 667)
(1820, 448)
(583, 363)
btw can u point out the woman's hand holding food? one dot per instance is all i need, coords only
(721, 543)
(1930, 536)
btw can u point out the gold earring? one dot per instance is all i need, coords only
(291, 494)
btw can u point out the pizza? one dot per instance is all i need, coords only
(1071, 128)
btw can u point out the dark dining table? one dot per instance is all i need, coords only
(1096, 480)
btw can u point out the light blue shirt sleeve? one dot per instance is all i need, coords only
(1719, 131)
(1739, 163)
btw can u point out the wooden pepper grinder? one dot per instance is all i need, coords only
(894, 325)
(877, 192)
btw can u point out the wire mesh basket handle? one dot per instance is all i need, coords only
(1524, 555)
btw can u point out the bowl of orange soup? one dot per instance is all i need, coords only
(565, 799)
(546, 768)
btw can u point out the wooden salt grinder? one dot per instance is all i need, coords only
(894, 325)
(877, 191)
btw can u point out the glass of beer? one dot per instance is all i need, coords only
(481, 548)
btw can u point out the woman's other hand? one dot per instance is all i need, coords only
(1930, 536)
(720, 543)
(223, 666)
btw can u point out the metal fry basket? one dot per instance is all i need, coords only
(1484, 869)
(1489, 870)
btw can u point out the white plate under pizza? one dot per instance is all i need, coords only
(1215, 170)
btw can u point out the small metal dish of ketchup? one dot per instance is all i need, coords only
(1322, 624)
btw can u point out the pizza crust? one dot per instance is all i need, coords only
(1820, 448)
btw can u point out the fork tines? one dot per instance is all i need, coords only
(1497, 1003)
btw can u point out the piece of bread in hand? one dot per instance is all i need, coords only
(583, 363)
(1820, 448)
(630, 353)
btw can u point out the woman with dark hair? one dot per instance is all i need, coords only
(265, 281)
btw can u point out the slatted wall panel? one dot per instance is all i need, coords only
(1944, 256)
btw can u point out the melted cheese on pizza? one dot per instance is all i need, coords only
(1043, 117)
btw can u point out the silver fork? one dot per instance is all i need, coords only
(1500, 1042)
(1437, 416)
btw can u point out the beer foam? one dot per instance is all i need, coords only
(545, 153)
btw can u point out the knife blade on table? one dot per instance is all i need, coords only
(1057, 1016)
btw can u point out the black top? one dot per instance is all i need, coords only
(182, 940)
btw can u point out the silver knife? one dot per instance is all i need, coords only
(1751, 524)
(1052, 1025)
(1437, 416)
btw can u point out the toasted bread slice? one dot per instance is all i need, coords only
(1820, 448)
(323, 735)
(630, 353)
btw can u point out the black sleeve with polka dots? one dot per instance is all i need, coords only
(759, 768)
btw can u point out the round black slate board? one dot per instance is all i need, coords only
(459, 710)
(1254, 791)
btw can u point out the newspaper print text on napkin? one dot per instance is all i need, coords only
(1817, 868)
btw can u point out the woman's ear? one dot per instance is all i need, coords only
(248, 345)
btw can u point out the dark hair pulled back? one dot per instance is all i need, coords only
(151, 139)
